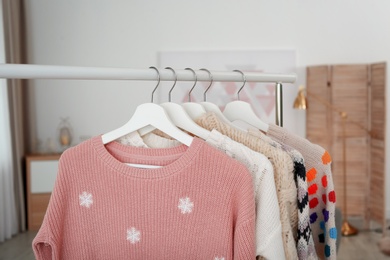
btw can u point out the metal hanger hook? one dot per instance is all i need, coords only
(174, 84)
(211, 82)
(158, 80)
(196, 80)
(244, 79)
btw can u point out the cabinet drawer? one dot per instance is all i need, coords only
(39, 203)
(43, 175)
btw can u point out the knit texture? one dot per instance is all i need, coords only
(322, 197)
(305, 243)
(283, 177)
(155, 139)
(199, 205)
(269, 243)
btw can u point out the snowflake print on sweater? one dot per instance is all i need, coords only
(185, 205)
(219, 258)
(133, 235)
(133, 212)
(267, 208)
(86, 199)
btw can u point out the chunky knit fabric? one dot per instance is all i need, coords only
(199, 205)
(305, 243)
(269, 243)
(283, 173)
(322, 197)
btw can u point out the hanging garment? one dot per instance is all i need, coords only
(199, 205)
(283, 172)
(322, 197)
(305, 243)
(269, 242)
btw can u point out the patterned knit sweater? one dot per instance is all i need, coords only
(283, 173)
(322, 197)
(199, 205)
(305, 243)
(269, 243)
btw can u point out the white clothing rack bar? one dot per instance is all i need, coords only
(24, 71)
(33, 71)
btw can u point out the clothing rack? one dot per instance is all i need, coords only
(32, 71)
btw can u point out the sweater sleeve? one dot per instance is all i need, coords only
(269, 241)
(244, 248)
(43, 246)
(244, 228)
(46, 243)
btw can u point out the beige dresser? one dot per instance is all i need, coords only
(41, 172)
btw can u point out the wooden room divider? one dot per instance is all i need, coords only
(358, 90)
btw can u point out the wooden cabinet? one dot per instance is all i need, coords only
(41, 171)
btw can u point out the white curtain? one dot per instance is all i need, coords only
(12, 206)
(8, 219)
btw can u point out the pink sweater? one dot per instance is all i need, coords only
(199, 205)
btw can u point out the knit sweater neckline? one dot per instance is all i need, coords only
(173, 160)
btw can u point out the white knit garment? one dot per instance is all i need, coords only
(283, 176)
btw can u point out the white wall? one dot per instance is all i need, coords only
(129, 34)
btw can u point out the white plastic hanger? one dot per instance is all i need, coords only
(149, 114)
(180, 117)
(211, 107)
(194, 110)
(242, 111)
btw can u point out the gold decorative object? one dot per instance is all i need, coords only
(301, 103)
(65, 133)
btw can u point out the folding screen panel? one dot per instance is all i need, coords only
(377, 145)
(358, 90)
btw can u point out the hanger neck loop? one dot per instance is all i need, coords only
(244, 80)
(158, 80)
(211, 82)
(174, 84)
(196, 80)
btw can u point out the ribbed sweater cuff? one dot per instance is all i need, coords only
(273, 248)
(43, 246)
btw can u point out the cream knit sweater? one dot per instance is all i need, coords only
(305, 243)
(283, 173)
